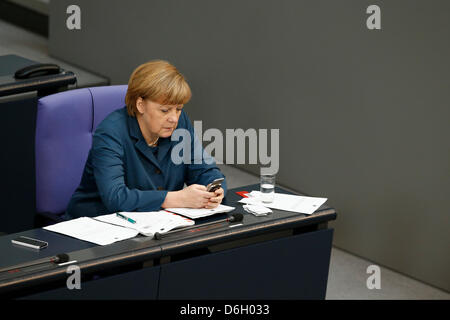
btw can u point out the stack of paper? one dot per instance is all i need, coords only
(287, 202)
(94, 231)
(107, 229)
(148, 223)
(200, 213)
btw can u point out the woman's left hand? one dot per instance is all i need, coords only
(216, 199)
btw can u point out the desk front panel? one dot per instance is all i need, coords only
(134, 285)
(294, 267)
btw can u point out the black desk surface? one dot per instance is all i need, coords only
(9, 64)
(142, 248)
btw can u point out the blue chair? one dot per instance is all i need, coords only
(65, 125)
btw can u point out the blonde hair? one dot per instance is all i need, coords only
(158, 81)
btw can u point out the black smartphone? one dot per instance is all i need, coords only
(213, 186)
(30, 242)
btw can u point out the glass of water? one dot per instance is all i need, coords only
(267, 187)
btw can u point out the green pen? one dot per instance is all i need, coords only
(125, 217)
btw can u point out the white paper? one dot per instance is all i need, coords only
(148, 223)
(90, 230)
(199, 213)
(287, 202)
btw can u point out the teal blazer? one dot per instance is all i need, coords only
(122, 173)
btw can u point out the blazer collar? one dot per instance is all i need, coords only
(164, 144)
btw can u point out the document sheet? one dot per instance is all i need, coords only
(200, 213)
(148, 223)
(91, 230)
(110, 228)
(287, 202)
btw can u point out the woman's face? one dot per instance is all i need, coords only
(157, 119)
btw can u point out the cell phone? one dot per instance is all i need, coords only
(213, 186)
(30, 242)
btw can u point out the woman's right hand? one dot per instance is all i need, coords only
(194, 196)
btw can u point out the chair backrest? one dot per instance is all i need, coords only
(65, 125)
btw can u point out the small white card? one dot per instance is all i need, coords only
(257, 210)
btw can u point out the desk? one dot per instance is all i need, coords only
(282, 256)
(18, 104)
(44, 85)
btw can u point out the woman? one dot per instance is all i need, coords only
(130, 165)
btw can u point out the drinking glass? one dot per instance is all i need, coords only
(267, 187)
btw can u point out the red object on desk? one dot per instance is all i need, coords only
(242, 193)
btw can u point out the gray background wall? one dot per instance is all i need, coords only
(363, 115)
